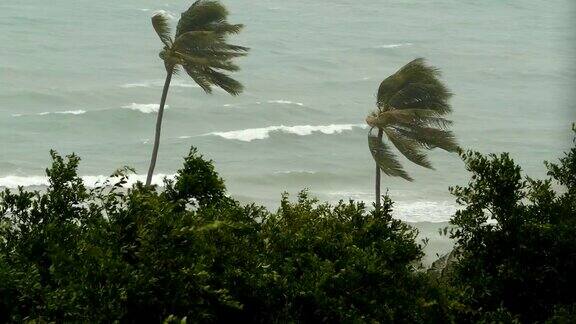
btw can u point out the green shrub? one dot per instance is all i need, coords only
(339, 264)
(190, 253)
(516, 237)
(138, 255)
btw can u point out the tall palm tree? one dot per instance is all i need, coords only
(200, 48)
(411, 106)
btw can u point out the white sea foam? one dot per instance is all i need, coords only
(137, 85)
(65, 112)
(424, 211)
(295, 172)
(387, 46)
(13, 182)
(160, 83)
(248, 135)
(144, 108)
(71, 112)
(182, 84)
(408, 211)
(285, 102)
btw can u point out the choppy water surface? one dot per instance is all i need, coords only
(84, 77)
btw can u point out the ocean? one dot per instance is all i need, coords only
(85, 77)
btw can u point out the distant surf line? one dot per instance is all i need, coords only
(91, 181)
(251, 134)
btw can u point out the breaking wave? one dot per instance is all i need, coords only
(286, 102)
(408, 211)
(159, 83)
(144, 108)
(12, 182)
(387, 46)
(251, 134)
(66, 112)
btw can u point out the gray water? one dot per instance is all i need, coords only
(84, 76)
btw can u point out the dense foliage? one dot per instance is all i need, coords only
(106, 254)
(516, 238)
(191, 253)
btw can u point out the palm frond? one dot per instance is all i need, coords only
(209, 62)
(207, 42)
(385, 159)
(433, 96)
(225, 82)
(201, 46)
(415, 85)
(198, 40)
(198, 75)
(203, 15)
(410, 148)
(162, 28)
(207, 77)
(430, 137)
(408, 117)
(226, 28)
(411, 105)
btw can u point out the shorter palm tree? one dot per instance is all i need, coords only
(199, 47)
(411, 105)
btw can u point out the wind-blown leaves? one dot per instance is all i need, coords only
(201, 46)
(206, 77)
(416, 85)
(385, 159)
(411, 105)
(410, 148)
(431, 137)
(407, 117)
(206, 15)
(432, 96)
(160, 24)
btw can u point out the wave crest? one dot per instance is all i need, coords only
(408, 211)
(144, 108)
(248, 135)
(13, 182)
(286, 102)
(388, 46)
(65, 112)
(159, 83)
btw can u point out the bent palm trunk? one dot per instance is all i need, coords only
(158, 129)
(380, 134)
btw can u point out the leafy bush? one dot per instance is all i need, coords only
(516, 237)
(340, 264)
(190, 253)
(71, 253)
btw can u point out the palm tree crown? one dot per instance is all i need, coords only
(411, 105)
(200, 46)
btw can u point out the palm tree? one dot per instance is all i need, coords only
(200, 48)
(411, 105)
